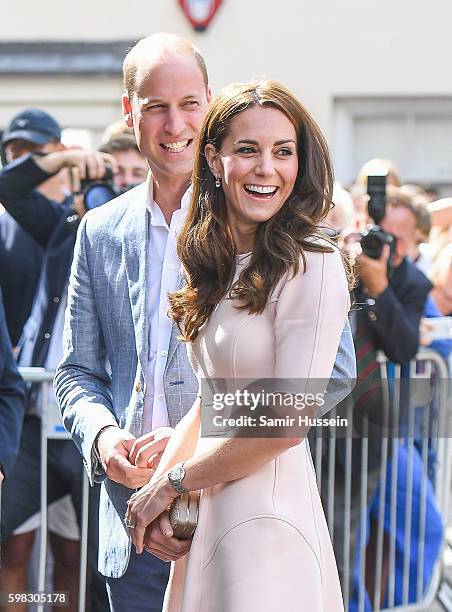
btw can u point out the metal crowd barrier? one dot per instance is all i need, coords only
(423, 430)
(435, 420)
(45, 378)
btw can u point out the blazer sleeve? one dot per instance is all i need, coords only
(343, 376)
(311, 315)
(82, 383)
(12, 401)
(35, 213)
(397, 312)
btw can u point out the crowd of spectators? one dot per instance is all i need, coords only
(400, 298)
(44, 194)
(44, 190)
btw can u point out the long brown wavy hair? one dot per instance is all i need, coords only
(205, 246)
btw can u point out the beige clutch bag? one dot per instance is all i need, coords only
(184, 515)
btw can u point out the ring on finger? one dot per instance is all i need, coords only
(128, 523)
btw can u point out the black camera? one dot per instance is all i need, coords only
(96, 192)
(374, 239)
(99, 191)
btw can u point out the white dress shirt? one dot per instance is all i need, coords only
(162, 278)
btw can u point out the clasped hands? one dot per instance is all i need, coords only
(132, 462)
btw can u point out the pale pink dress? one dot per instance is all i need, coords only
(262, 543)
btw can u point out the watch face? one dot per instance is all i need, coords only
(177, 473)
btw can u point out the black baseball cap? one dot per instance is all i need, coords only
(33, 125)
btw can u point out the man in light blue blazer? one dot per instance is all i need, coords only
(125, 376)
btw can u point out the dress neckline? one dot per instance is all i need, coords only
(242, 257)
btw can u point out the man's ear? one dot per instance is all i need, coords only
(211, 155)
(127, 110)
(419, 236)
(209, 95)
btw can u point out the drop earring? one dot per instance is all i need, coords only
(218, 182)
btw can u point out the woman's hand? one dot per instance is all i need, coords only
(145, 506)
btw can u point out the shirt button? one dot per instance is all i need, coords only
(47, 335)
(138, 387)
(372, 316)
(164, 353)
(171, 266)
(161, 396)
(56, 299)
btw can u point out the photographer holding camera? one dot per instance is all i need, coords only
(392, 290)
(388, 306)
(34, 191)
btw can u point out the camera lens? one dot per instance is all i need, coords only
(98, 194)
(372, 244)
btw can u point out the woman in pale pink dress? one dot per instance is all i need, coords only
(266, 298)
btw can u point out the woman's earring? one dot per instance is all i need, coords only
(218, 182)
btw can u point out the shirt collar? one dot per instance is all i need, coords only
(157, 217)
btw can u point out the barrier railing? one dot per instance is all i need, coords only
(384, 509)
(433, 420)
(44, 378)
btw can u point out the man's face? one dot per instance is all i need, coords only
(132, 168)
(401, 223)
(18, 147)
(167, 110)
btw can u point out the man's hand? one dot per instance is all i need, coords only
(374, 272)
(84, 164)
(147, 450)
(159, 540)
(425, 330)
(114, 445)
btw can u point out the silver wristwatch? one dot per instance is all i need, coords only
(175, 476)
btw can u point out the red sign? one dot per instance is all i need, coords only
(200, 12)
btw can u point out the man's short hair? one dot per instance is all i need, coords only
(125, 142)
(117, 129)
(155, 47)
(399, 198)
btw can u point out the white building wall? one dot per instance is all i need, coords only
(325, 51)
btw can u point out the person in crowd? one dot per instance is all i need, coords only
(441, 276)
(341, 215)
(441, 212)
(388, 305)
(432, 192)
(32, 130)
(132, 166)
(413, 220)
(12, 401)
(52, 225)
(117, 129)
(413, 190)
(119, 416)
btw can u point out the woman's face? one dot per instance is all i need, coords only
(257, 164)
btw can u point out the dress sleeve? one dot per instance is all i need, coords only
(311, 312)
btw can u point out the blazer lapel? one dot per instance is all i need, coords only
(175, 332)
(135, 249)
